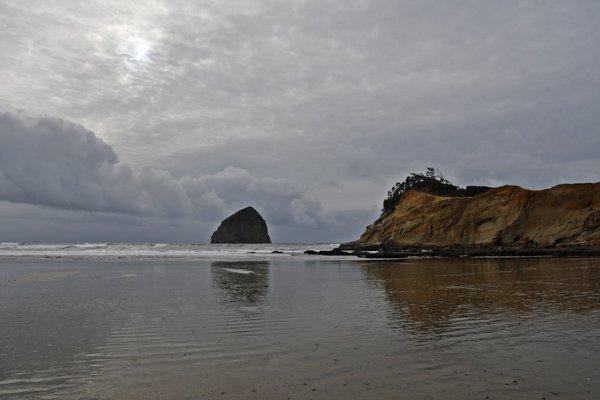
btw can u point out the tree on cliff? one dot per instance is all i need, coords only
(431, 181)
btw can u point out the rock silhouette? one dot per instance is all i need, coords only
(245, 226)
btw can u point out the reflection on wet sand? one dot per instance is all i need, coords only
(245, 282)
(47, 322)
(455, 329)
(426, 295)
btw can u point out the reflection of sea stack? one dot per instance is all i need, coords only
(245, 226)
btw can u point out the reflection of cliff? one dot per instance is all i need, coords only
(428, 294)
(242, 281)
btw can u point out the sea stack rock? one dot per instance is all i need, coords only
(245, 226)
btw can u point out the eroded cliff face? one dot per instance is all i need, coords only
(507, 215)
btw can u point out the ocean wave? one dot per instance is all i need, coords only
(155, 250)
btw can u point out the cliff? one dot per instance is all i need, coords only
(509, 215)
(245, 226)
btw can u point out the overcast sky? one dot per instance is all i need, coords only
(152, 120)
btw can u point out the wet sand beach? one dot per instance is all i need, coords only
(299, 328)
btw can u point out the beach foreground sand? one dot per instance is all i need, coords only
(302, 328)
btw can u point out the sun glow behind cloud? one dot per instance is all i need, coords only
(137, 49)
(135, 52)
(133, 44)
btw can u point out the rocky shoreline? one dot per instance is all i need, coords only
(458, 251)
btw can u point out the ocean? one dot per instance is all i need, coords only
(154, 250)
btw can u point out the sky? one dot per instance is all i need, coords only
(150, 121)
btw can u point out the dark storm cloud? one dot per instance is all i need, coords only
(51, 162)
(48, 161)
(332, 99)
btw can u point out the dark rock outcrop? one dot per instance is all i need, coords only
(245, 226)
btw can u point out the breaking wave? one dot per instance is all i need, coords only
(155, 250)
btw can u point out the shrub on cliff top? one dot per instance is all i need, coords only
(432, 181)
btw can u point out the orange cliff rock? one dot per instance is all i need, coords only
(509, 215)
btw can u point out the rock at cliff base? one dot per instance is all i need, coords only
(245, 226)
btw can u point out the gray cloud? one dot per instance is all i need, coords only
(334, 100)
(51, 162)
(48, 161)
